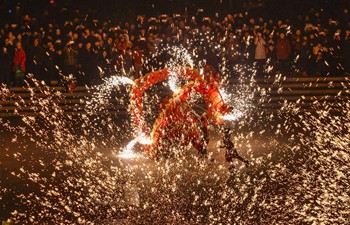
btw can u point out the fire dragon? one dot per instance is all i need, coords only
(176, 121)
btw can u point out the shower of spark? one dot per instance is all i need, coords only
(232, 116)
(128, 151)
(173, 82)
(104, 91)
(179, 56)
(115, 80)
(298, 175)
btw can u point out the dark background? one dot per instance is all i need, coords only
(12, 10)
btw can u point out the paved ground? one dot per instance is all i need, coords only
(20, 154)
(92, 184)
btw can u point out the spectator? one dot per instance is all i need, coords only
(62, 45)
(260, 54)
(128, 62)
(296, 42)
(6, 57)
(137, 58)
(303, 61)
(11, 38)
(232, 50)
(59, 61)
(104, 64)
(337, 53)
(70, 59)
(35, 58)
(19, 65)
(347, 51)
(283, 49)
(89, 64)
(50, 71)
(319, 65)
(271, 55)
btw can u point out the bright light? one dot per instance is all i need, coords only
(232, 116)
(128, 152)
(172, 82)
(224, 95)
(129, 155)
(144, 140)
(180, 56)
(121, 80)
(130, 146)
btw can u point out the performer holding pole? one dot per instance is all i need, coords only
(231, 151)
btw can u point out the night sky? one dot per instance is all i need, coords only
(131, 8)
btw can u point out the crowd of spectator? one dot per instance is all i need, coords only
(87, 49)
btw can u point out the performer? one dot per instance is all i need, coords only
(163, 104)
(231, 151)
(205, 134)
(201, 139)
